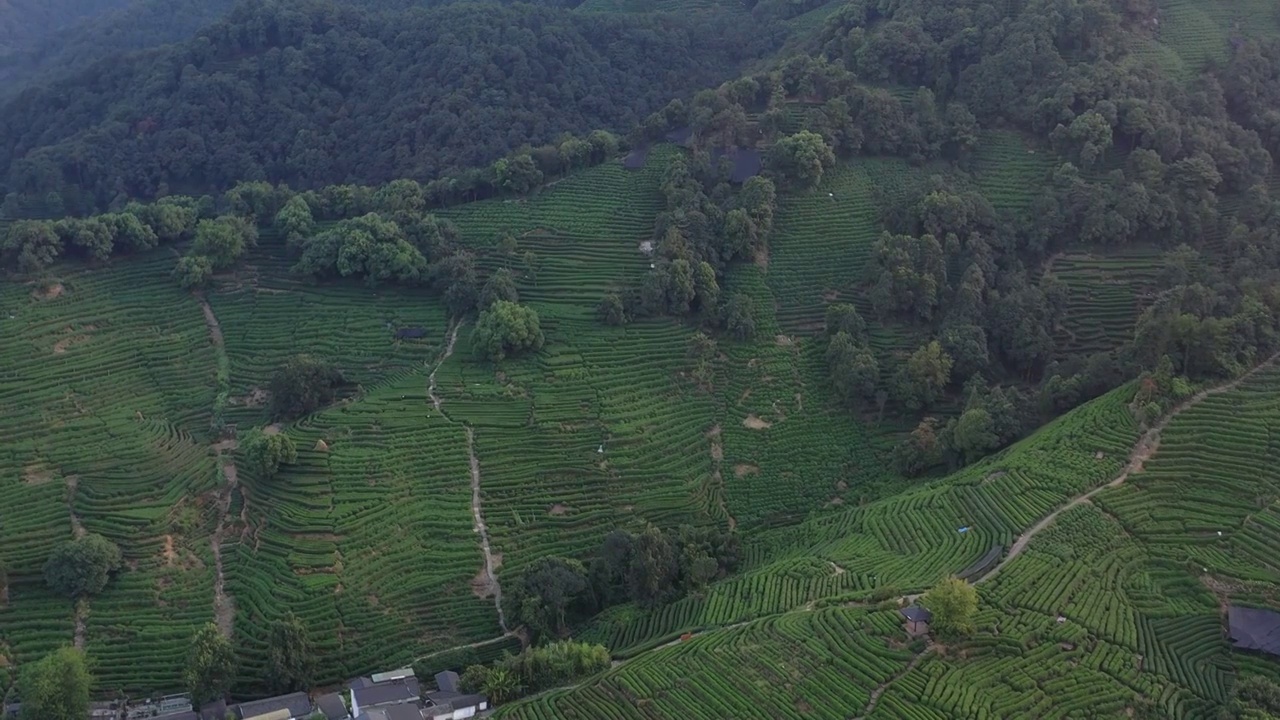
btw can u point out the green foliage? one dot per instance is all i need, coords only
(953, 602)
(507, 329)
(224, 240)
(543, 595)
(910, 275)
(32, 244)
(294, 222)
(266, 452)
(290, 656)
(535, 669)
(82, 567)
(630, 64)
(922, 449)
(500, 286)
(210, 665)
(921, 381)
(56, 687)
(369, 246)
(739, 316)
(518, 174)
(853, 368)
(611, 310)
(193, 271)
(801, 158)
(303, 385)
(843, 317)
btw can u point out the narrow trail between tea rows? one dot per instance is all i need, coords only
(490, 584)
(224, 609)
(1147, 446)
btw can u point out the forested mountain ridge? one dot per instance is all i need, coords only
(136, 26)
(314, 93)
(23, 23)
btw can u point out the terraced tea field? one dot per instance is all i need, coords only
(107, 384)
(1107, 292)
(1009, 171)
(1114, 605)
(822, 238)
(1200, 33)
(822, 664)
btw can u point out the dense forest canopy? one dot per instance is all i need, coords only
(313, 93)
(121, 27)
(23, 23)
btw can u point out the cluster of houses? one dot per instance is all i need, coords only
(395, 695)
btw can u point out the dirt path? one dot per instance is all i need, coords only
(82, 614)
(211, 320)
(77, 531)
(879, 690)
(224, 607)
(717, 476)
(431, 379)
(476, 512)
(488, 584)
(1145, 448)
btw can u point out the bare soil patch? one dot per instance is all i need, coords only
(256, 397)
(835, 568)
(272, 429)
(756, 423)
(744, 469)
(558, 509)
(170, 555)
(37, 474)
(66, 343)
(784, 340)
(831, 295)
(48, 292)
(761, 258)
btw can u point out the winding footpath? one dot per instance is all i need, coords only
(491, 585)
(224, 609)
(77, 531)
(1146, 446)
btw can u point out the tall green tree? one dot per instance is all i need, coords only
(81, 567)
(290, 655)
(543, 595)
(211, 665)
(302, 385)
(654, 568)
(294, 222)
(853, 368)
(56, 687)
(224, 239)
(507, 329)
(953, 603)
(801, 158)
(265, 453)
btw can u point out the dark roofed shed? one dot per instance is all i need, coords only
(332, 707)
(1254, 629)
(297, 704)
